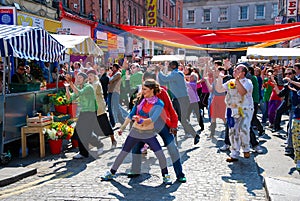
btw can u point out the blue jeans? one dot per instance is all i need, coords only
(289, 140)
(117, 113)
(168, 139)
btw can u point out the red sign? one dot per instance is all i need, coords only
(291, 8)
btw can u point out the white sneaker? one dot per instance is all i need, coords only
(167, 179)
(78, 156)
(100, 151)
(258, 149)
(225, 147)
(114, 144)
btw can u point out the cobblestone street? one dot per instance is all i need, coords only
(209, 176)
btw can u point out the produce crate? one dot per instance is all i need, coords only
(39, 121)
(17, 87)
(34, 86)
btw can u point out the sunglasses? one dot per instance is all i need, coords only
(288, 73)
(21, 68)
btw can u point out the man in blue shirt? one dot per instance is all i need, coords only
(177, 86)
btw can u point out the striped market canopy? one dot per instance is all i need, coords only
(29, 43)
(273, 53)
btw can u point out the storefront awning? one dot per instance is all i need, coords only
(82, 45)
(167, 58)
(273, 53)
(29, 43)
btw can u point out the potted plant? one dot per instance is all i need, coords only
(60, 102)
(56, 133)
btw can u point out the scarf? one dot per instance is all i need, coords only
(152, 100)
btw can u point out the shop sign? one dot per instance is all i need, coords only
(121, 44)
(102, 44)
(29, 20)
(291, 8)
(151, 12)
(112, 41)
(7, 15)
(101, 35)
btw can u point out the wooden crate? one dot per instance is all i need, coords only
(39, 120)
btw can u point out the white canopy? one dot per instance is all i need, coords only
(168, 58)
(245, 59)
(273, 53)
(82, 45)
(191, 58)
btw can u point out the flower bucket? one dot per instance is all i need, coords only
(72, 110)
(74, 143)
(55, 146)
(63, 109)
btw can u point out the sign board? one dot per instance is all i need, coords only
(29, 20)
(7, 15)
(151, 8)
(291, 8)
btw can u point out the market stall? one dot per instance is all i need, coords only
(158, 58)
(31, 43)
(273, 53)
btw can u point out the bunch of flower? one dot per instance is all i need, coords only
(59, 130)
(59, 98)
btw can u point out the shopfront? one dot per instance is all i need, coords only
(112, 42)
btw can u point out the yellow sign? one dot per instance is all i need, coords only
(151, 13)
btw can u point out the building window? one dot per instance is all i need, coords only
(223, 14)
(206, 15)
(81, 5)
(191, 16)
(101, 10)
(111, 11)
(259, 12)
(243, 13)
(129, 15)
(275, 10)
(178, 15)
(118, 11)
(134, 17)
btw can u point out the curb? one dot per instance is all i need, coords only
(9, 175)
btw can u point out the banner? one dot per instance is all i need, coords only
(151, 13)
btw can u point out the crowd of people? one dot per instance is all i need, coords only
(153, 100)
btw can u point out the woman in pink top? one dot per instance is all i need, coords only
(194, 99)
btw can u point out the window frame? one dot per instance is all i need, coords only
(189, 17)
(225, 17)
(240, 13)
(204, 15)
(273, 10)
(256, 12)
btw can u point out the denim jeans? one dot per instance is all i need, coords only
(289, 141)
(117, 113)
(169, 141)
